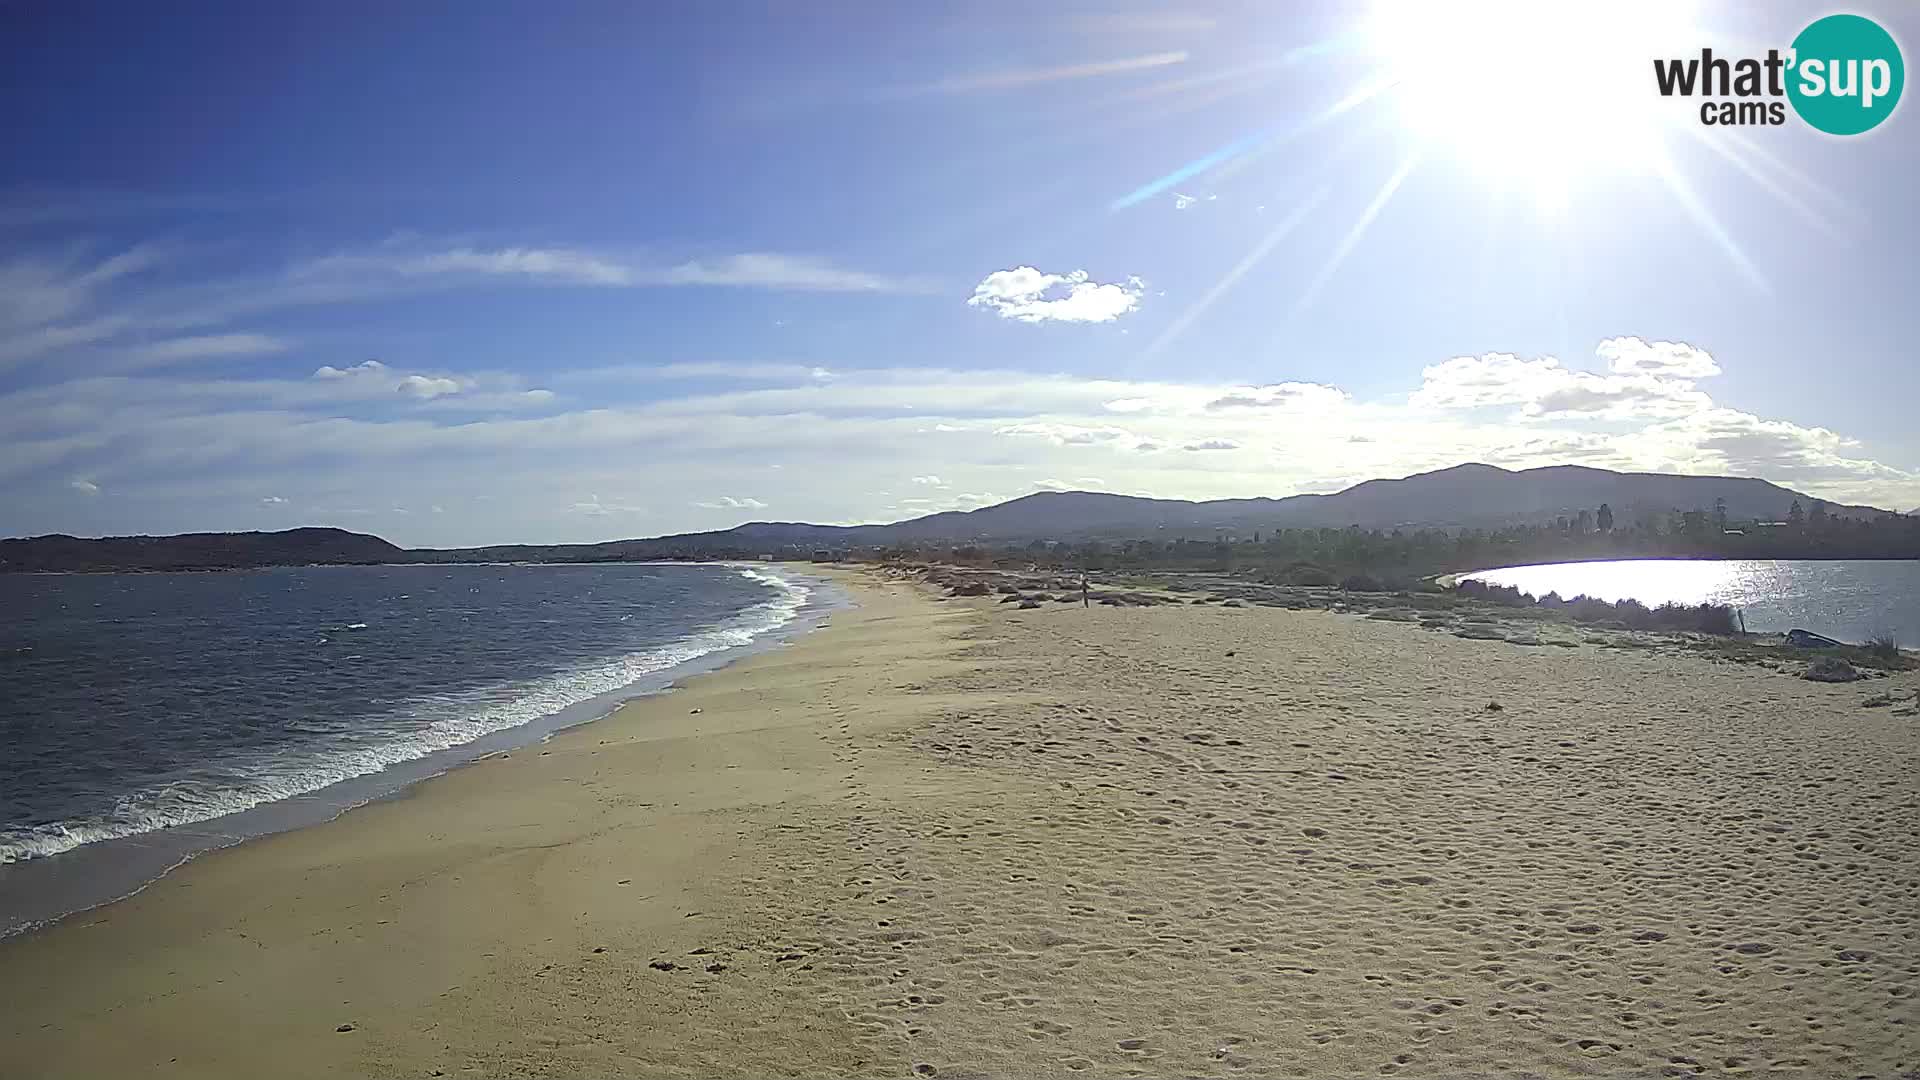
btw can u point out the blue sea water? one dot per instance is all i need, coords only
(136, 707)
(1850, 600)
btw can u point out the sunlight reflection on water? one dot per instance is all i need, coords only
(1848, 600)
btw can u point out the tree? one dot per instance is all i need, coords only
(1817, 517)
(1795, 515)
(1605, 518)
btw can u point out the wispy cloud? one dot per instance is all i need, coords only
(583, 267)
(728, 502)
(205, 347)
(767, 271)
(554, 264)
(57, 304)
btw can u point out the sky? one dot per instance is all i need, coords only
(469, 274)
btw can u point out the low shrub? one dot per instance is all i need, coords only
(1630, 614)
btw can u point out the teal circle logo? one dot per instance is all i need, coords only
(1846, 74)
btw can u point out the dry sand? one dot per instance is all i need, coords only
(951, 838)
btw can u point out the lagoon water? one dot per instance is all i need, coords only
(1844, 599)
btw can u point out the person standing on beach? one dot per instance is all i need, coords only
(1084, 602)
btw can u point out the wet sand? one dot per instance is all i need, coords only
(953, 838)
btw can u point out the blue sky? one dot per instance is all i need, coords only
(583, 271)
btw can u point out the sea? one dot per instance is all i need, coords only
(1847, 600)
(145, 718)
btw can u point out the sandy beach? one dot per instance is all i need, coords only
(949, 837)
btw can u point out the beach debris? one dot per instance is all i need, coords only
(693, 712)
(664, 965)
(1807, 639)
(1229, 652)
(1830, 669)
(344, 1028)
(1494, 706)
(1878, 701)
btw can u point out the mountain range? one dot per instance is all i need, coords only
(1465, 496)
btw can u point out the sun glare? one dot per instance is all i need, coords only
(1534, 96)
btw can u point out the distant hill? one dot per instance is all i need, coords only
(196, 551)
(1465, 496)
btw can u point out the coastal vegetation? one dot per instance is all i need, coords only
(1371, 559)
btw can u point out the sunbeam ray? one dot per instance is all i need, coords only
(1696, 209)
(1004, 80)
(1360, 225)
(1233, 276)
(1718, 144)
(1249, 147)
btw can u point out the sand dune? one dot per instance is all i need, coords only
(956, 839)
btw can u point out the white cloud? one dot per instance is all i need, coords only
(1471, 382)
(427, 386)
(1624, 397)
(363, 368)
(1546, 390)
(1181, 202)
(1022, 294)
(84, 487)
(273, 500)
(1066, 434)
(1671, 359)
(181, 453)
(1292, 396)
(370, 379)
(1212, 444)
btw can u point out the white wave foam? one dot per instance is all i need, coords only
(242, 784)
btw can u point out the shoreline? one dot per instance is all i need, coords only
(175, 969)
(946, 835)
(38, 893)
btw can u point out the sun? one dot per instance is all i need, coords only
(1535, 96)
